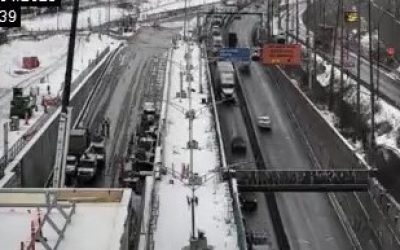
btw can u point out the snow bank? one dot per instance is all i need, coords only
(52, 54)
(214, 212)
(86, 18)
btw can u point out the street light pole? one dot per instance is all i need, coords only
(287, 20)
(378, 73)
(70, 58)
(332, 76)
(184, 22)
(371, 80)
(297, 20)
(359, 71)
(341, 65)
(308, 45)
(191, 117)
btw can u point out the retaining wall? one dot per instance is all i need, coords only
(373, 228)
(32, 166)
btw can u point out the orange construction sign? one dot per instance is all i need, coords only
(281, 54)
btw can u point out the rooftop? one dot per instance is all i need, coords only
(97, 217)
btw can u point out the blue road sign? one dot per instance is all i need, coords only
(234, 54)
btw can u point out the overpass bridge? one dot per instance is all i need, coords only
(301, 180)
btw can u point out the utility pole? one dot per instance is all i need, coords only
(371, 82)
(287, 20)
(65, 118)
(309, 74)
(359, 70)
(185, 22)
(279, 18)
(201, 70)
(272, 18)
(315, 44)
(341, 64)
(378, 73)
(332, 78)
(191, 118)
(324, 13)
(297, 20)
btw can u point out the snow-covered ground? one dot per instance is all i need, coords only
(387, 112)
(93, 226)
(155, 6)
(214, 214)
(52, 55)
(87, 18)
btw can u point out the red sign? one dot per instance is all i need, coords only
(30, 62)
(281, 54)
(390, 51)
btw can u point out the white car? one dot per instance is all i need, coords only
(264, 122)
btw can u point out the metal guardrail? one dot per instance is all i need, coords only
(237, 213)
(23, 140)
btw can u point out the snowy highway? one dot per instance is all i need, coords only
(231, 120)
(310, 221)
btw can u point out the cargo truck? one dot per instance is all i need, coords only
(225, 79)
(98, 148)
(78, 143)
(87, 167)
(21, 105)
(84, 157)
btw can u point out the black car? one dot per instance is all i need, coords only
(248, 202)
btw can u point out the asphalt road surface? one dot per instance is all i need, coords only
(231, 121)
(120, 95)
(309, 220)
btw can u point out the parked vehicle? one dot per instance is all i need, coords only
(78, 142)
(149, 112)
(87, 168)
(98, 148)
(225, 79)
(71, 167)
(84, 157)
(21, 105)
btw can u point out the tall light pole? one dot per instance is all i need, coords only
(308, 45)
(341, 64)
(371, 82)
(359, 70)
(332, 76)
(297, 20)
(185, 22)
